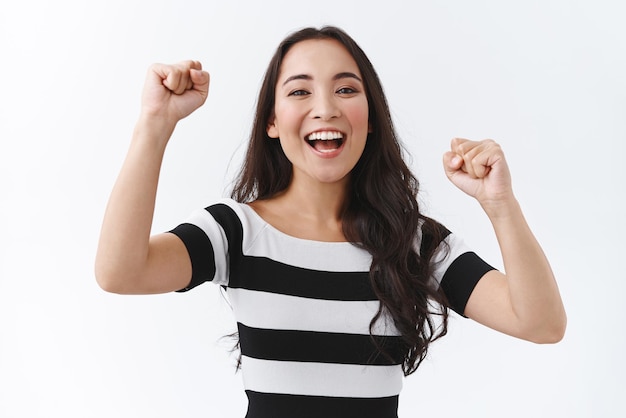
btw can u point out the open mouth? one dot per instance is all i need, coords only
(325, 141)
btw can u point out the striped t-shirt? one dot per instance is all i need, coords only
(303, 310)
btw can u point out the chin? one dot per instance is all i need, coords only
(333, 179)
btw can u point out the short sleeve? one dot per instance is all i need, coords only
(458, 269)
(207, 247)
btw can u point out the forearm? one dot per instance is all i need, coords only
(125, 234)
(534, 295)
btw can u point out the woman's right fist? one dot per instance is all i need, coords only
(173, 92)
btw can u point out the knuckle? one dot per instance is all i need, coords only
(463, 148)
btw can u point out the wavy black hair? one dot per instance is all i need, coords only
(381, 214)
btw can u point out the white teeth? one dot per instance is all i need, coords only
(325, 136)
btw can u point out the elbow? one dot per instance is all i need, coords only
(106, 282)
(109, 280)
(549, 338)
(104, 273)
(550, 333)
(106, 285)
(124, 280)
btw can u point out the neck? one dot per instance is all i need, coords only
(307, 209)
(318, 201)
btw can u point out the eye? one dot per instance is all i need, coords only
(298, 93)
(346, 90)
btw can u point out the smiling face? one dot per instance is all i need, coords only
(321, 111)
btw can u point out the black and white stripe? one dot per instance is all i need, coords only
(303, 310)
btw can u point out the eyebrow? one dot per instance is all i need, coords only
(338, 76)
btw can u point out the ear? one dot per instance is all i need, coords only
(370, 129)
(272, 129)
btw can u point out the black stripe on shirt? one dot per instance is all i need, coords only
(264, 274)
(200, 253)
(461, 277)
(231, 224)
(270, 405)
(319, 347)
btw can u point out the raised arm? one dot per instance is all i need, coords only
(524, 301)
(128, 260)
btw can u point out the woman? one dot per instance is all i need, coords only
(337, 281)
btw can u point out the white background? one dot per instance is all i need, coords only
(547, 79)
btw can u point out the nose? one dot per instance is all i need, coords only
(325, 107)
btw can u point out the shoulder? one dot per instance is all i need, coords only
(238, 222)
(228, 213)
(226, 221)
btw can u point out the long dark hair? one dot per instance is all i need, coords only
(381, 213)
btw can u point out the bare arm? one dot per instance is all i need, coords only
(128, 260)
(525, 302)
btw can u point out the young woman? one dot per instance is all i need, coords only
(338, 283)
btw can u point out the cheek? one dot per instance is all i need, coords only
(358, 114)
(286, 116)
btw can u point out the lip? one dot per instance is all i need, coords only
(328, 154)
